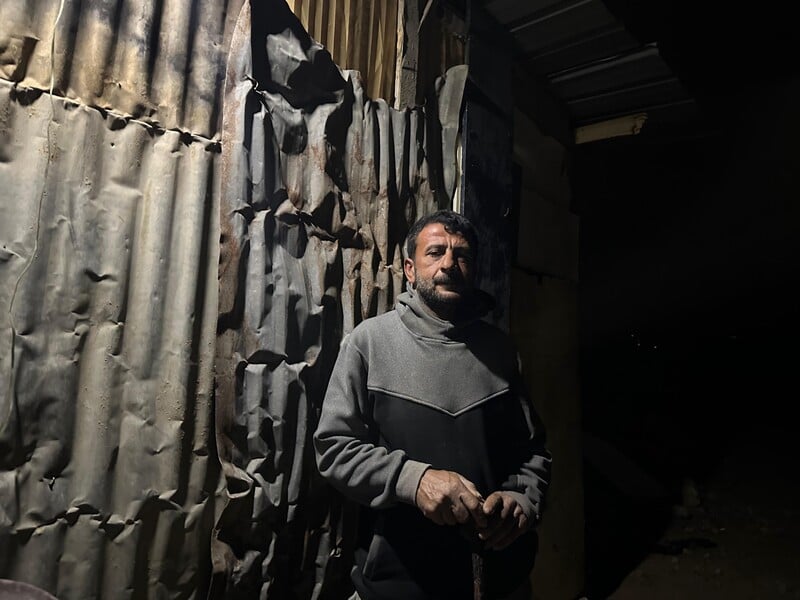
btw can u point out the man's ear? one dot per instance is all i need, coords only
(408, 269)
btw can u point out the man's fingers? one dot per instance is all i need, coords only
(490, 530)
(522, 520)
(448, 498)
(447, 516)
(494, 521)
(504, 536)
(460, 511)
(471, 498)
(506, 540)
(474, 509)
(507, 520)
(500, 533)
(491, 503)
(508, 507)
(520, 516)
(471, 487)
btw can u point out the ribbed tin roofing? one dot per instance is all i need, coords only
(590, 61)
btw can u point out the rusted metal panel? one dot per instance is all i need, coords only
(109, 478)
(107, 329)
(319, 186)
(110, 309)
(160, 61)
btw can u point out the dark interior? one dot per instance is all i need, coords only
(688, 248)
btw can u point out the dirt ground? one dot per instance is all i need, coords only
(741, 541)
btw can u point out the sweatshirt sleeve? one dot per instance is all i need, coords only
(346, 457)
(530, 484)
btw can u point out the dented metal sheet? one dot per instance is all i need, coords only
(108, 302)
(319, 187)
(158, 61)
(112, 307)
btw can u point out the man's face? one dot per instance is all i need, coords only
(441, 270)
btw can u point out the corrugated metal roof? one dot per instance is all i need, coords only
(591, 62)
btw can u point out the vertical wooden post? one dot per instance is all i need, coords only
(487, 153)
(405, 86)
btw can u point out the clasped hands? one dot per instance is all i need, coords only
(447, 498)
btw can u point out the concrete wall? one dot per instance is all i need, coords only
(544, 320)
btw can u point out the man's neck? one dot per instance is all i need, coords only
(452, 313)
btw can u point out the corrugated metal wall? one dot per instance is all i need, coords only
(108, 294)
(320, 185)
(110, 486)
(160, 61)
(360, 35)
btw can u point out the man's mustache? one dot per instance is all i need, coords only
(449, 280)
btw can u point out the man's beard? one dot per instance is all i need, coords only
(426, 289)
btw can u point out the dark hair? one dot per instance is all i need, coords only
(452, 222)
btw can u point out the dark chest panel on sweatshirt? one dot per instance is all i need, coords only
(486, 444)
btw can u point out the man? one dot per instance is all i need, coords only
(426, 423)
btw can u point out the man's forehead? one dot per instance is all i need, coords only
(435, 233)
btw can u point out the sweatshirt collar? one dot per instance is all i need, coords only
(416, 317)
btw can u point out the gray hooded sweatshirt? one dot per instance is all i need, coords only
(410, 391)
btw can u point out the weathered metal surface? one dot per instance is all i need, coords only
(359, 35)
(160, 61)
(108, 253)
(319, 186)
(107, 329)
(109, 310)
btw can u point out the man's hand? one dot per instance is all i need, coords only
(506, 521)
(447, 498)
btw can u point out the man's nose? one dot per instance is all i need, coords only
(448, 260)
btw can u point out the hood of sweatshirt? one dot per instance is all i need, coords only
(422, 322)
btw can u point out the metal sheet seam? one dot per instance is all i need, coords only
(186, 137)
(112, 476)
(125, 118)
(213, 144)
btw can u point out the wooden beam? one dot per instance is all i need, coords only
(487, 184)
(405, 85)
